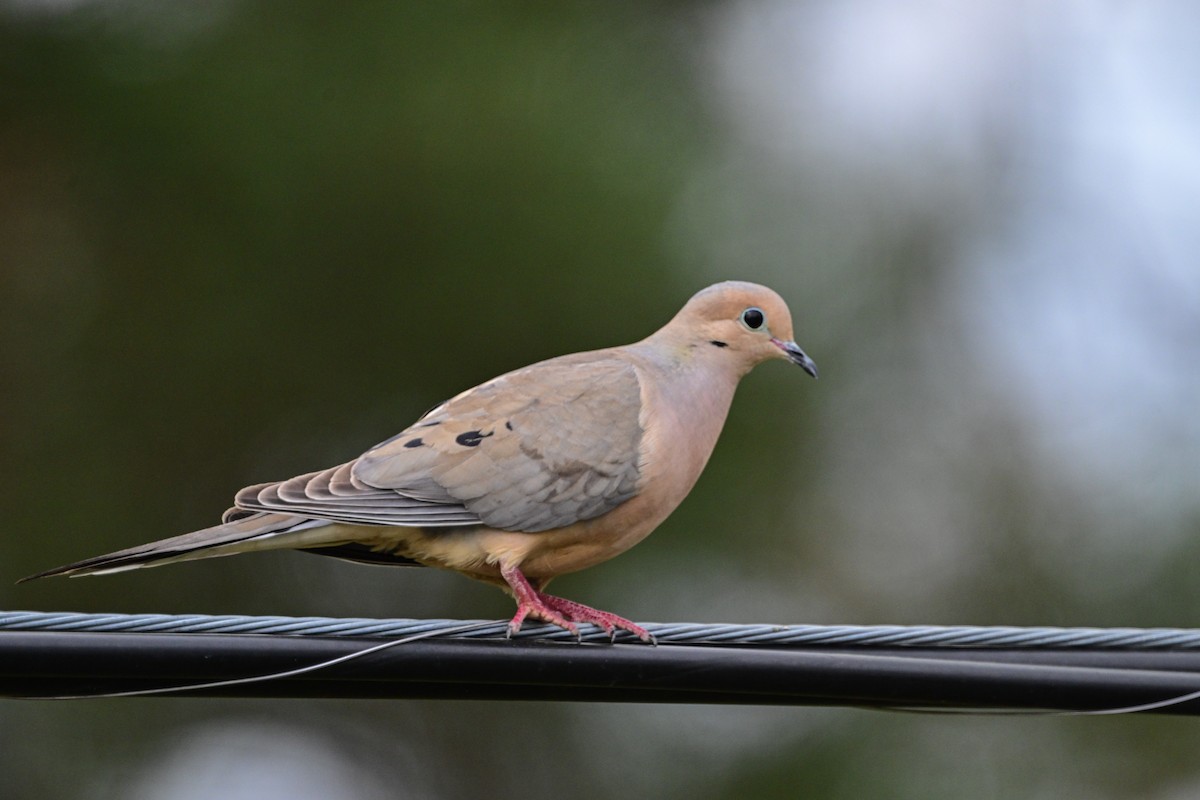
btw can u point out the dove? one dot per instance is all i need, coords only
(543, 471)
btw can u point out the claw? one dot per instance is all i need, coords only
(539, 610)
(562, 612)
(608, 622)
(514, 625)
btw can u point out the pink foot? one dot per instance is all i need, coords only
(606, 621)
(562, 612)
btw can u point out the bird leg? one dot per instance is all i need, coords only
(530, 602)
(562, 612)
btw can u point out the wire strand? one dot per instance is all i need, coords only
(676, 633)
(270, 676)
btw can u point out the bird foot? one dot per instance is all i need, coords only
(538, 609)
(562, 612)
(607, 621)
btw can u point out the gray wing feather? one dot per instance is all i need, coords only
(540, 448)
(536, 449)
(332, 495)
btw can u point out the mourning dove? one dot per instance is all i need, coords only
(542, 471)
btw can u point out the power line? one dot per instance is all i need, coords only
(930, 667)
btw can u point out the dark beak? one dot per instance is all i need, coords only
(797, 356)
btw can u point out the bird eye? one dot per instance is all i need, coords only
(753, 318)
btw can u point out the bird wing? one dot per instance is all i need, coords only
(539, 448)
(335, 495)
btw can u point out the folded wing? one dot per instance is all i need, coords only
(539, 448)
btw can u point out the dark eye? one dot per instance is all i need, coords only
(753, 318)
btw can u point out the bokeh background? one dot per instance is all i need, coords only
(240, 240)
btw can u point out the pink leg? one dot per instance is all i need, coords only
(562, 612)
(529, 601)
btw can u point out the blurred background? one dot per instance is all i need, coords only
(242, 240)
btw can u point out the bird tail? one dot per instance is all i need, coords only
(237, 535)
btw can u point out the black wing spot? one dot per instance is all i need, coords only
(508, 425)
(472, 438)
(719, 343)
(414, 442)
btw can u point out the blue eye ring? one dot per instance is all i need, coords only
(754, 318)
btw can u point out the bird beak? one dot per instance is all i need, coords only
(797, 356)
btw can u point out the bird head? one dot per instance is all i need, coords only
(749, 323)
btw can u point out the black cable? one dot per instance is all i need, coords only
(55, 664)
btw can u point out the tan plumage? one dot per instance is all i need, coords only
(542, 471)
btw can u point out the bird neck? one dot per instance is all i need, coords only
(693, 391)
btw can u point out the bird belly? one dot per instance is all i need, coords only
(479, 552)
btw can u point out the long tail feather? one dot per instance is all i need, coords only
(254, 532)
